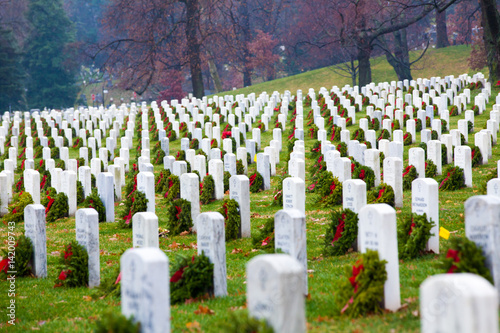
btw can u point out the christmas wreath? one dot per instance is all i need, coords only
(475, 108)
(359, 135)
(232, 220)
(94, 201)
(444, 155)
(240, 168)
(16, 209)
(384, 134)
(452, 179)
(116, 322)
(364, 173)
(329, 189)
(362, 292)
(407, 139)
(374, 124)
(80, 193)
(464, 256)
(134, 203)
(110, 285)
(207, 189)
(476, 156)
(418, 125)
(179, 216)
(348, 121)
(381, 194)
(316, 150)
(342, 149)
(77, 143)
(194, 144)
(241, 321)
(160, 154)
(278, 192)
(180, 156)
(192, 277)
(256, 182)
(395, 125)
(341, 233)
(227, 176)
(172, 188)
(57, 207)
(161, 180)
(453, 110)
(264, 239)
(335, 133)
(74, 266)
(430, 169)
(414, 232)
(17, 257)
(409, 175)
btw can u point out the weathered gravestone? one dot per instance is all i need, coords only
(264, 168)
(190, 191)
(425, 200)
(393, 176)
(32, 184)
(146, 184)
(482, 226)
(34, 229)
(274, 282)
(106, 191)
(145, 288)
(87, 235)
(145, 230)
(378, 231)
(458, 303)
(211, 240)
(290, 237)
(216, 170)
(239, 190)
(463, 160)
(493, 187)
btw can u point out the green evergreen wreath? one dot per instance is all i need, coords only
(256, 182)
(453, 110)
(227, 176)
(364, 173)
(313, 131)
(179, 216)
(94, 201)
(230, 209)
(407, 139)
(110, 285)
(418, 125)
(21, 258)
(161, 180)
(329, 189)
(374, 124)
(342, 149)
(192, 277)
(116, 322)
(362, 292)
(476, 156)
(381, 194)
(16, 209)
(430, 169)
(160, 154)
(359, 135)
(135, 203)
(58, 209)
(464, 256)
(492, 174)
(316, 150)
(342, 232)
(80, 193)
(334, 133)
(194, 144)
(409, 175)
(278, 192)
(240, 321)
(444, 155)
(74, 265)
(452, 179)
(414, 232)
(264, 239)
(172, 188)
(384, 134)
(240, 169)
(207, 190)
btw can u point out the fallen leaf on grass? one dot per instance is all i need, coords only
(87, 298)
(235, 251)
(112, 239)
(322, 319)
(204, 310)
(184, 233)
(254, 250)
(55, 253)
(174, 245)
(255, 215)
(415, 313)
(193, 325)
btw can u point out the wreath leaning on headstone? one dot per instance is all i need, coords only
(361, 293)
(256, 182)
(476, 156)
(179, 216)
(161, 180)
(110, 285)
(409, 175)
(116, 322)
(452, 179)
(192, 277)
(240, 321)
(18, 260)
(464, 256)
(232, 220)
(341, 233)
(207, 189)
(16, 209)
(430, 169)
(74, 266)
(134, 203)
(329, 189)
(172, 188)
(264, 239)
(94, 201)
(363, 172)
(383, 193)
(227, 176)
(414, 232)
(57, 207)
(407, 139)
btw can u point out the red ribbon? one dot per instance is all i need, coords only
(340, 229)
(51, 201)
(380, 193)
(453, 254)
(179, 210)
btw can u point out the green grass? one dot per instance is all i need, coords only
(42, 307)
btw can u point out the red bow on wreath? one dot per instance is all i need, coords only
(340, 229)
(453, 254)
(356, 270)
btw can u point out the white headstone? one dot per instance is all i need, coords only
(87, 235)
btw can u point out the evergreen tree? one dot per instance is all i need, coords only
(51, 72)
(11, 73)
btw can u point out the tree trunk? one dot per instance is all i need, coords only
(365, 71)
(247, 38)
(193, 44)
(491, 29)
(400, 61)
(214, 73)
(441, 30)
